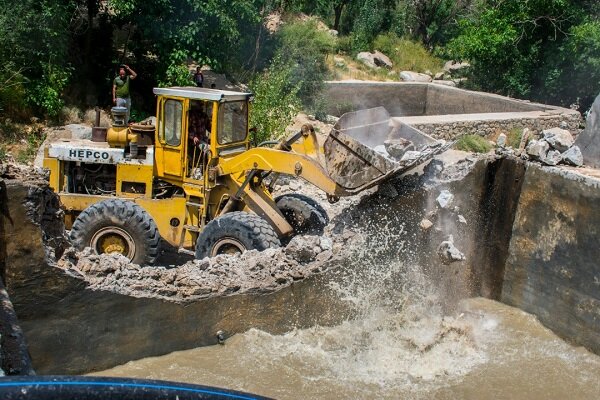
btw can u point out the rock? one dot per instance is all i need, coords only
(454, 66)
(410, 156)
(381, 150)
(444, 199)
(524, 139)
(374, 60)
(425, 224)
(381, 60)
(333, 32)
(398, 147)
(501, 141)
(367, 58)
(559, 139)
(79, 131)
(439, 76)
(588, 140)
(409, 76)
(573, 156)
(537, 149)
(448, 253)
(553, 157)
(462, 219)
(445, 83)
(303, 248)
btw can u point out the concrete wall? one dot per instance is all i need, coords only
(451, 128)
(553, 268)
(449, 100)
(411, 99)
(398, 99)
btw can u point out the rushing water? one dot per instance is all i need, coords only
(484, 350)
(409, 339)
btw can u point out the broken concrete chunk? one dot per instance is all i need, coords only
(303, 248)
(381, 150)
(448, 253)
(559, 139)
(537, 149)
(410, 156)
(573, 156)
(444, 199)
(501, 141)
(425, 224)
(553, 157)
(398, 147)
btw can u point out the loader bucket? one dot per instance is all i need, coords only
(356, 150)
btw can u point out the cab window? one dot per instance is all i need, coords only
(171, 126)
(233, 122)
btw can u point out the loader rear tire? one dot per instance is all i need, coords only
(117, 226)
(306, 215)
(234, 233)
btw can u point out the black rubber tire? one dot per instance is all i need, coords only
(250, 231)
(305, 215)
(124, 216)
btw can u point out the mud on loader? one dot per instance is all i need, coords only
(145, 184)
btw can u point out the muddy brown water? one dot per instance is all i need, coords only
(487, 350)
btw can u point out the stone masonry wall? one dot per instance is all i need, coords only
(453, 130)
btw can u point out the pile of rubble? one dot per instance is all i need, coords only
(556, 146)
(553, 147)
(249, 272)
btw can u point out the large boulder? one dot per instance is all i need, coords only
(375, 60)
(409, 76)
(537, 149)
(367, 58)
(559, 139)
(573, 156)
(588, 141)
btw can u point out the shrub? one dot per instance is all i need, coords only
(473, 143)
(276, 101)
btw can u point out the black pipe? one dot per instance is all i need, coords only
(100, 388)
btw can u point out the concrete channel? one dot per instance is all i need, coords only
(523, 244)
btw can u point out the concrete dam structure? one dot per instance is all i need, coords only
(522, 248)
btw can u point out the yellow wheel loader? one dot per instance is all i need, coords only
(141, 185)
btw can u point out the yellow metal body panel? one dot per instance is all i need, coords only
(127, 173)
(56, 175)
(280, 161)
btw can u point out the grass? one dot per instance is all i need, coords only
(513, 138)
(407, 55)
(473, 144)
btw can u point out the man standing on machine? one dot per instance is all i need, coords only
(120, 91)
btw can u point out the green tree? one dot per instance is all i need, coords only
(571, 74)
(303, 47)
(505, 42)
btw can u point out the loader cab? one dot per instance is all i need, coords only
(223, 127)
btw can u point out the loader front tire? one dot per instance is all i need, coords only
(234, 233)
(306, 215)
(117, 226)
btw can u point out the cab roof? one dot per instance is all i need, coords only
(197, 93)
